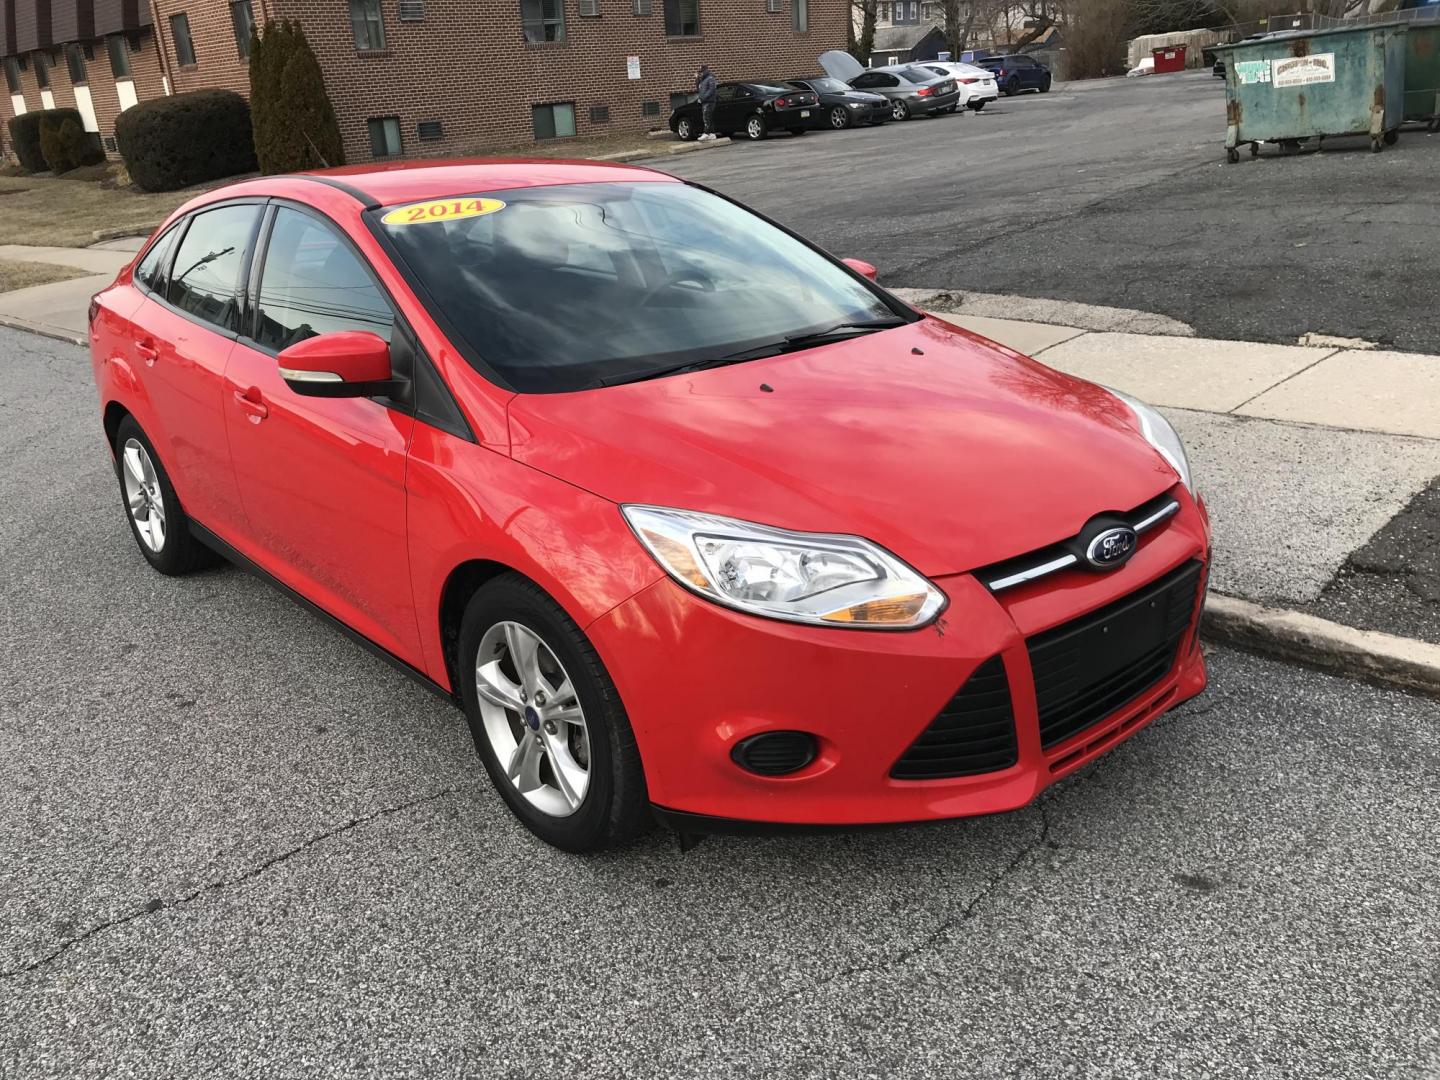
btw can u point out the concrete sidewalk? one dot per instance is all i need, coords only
(59, 310)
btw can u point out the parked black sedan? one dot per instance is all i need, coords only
(842, 106)
(751, 109)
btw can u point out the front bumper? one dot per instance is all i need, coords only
(697, 678)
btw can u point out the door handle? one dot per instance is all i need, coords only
(147, 352)
(251, 405)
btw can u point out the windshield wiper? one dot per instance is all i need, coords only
(793, 343)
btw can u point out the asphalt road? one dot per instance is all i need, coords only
(1116, 193)
(232, 844)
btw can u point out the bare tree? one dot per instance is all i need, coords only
(862, 45)
(960, 19)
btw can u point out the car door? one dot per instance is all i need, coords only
(322, 479)
(184, 335)
(729, 105)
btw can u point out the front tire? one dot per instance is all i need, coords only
(899, 110)
(157, 521)
(839, 118)
(547, 720)
(755, 128)
(686, 129)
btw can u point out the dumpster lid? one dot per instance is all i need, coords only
(1292, 35)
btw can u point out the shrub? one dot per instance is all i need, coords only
(173, 142)
(295, 125)
(25, 132)
(67, 146)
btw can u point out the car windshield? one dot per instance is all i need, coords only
(574, 286)
(828, 86)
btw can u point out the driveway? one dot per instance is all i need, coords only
(1116, 193)
(234, 845)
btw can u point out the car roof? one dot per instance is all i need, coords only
(388, 183)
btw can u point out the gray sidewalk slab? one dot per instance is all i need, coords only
(57, 310)
(1378, 391)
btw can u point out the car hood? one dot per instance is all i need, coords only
(951, 451)
(839, 64)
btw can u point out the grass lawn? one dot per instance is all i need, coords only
(21, 275)
(65, 213)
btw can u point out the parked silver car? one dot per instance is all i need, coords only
(911, 89)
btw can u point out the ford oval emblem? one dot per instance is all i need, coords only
(1111, 548)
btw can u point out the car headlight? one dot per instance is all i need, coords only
(802, 577)
(1160, 434)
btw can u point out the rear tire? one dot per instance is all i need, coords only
(950, 108)
(977, 105)
(755, 128)
(1045, 87)
(1012, 87)
(595, 746)
(158, 523)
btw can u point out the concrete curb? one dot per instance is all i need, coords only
(1307, 639)
(43, 329)
(102, 235)
(625, 156)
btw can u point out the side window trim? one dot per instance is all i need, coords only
(171, 236)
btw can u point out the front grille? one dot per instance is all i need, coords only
(974, 733)
(1088, 668)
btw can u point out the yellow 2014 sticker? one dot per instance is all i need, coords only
(441, 210)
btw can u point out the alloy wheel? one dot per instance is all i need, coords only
(900, 111)
(839, 118)
(755, 128)
(143, 497)
(533, 718)
(683, 128)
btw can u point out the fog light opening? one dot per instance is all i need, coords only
(775, 753)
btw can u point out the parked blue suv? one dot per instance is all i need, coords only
(1017, 72)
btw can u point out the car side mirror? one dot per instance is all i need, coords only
(346, 363)
(861, 267)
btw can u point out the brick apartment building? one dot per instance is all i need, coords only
(414, 78)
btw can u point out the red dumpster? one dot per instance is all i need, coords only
(1169, 59)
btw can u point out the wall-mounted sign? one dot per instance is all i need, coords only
(632, 67)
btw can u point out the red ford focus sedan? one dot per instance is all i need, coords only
(694, 521)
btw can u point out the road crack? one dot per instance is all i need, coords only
(153, 906)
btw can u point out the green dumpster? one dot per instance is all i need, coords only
(1422, 70)
(1304, 84)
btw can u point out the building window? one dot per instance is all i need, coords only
(642, 7)
(682, 18)
(384, 136)
(649, 108)
(544, 20)
(42, 71)
(429, 130)
(75, 64)
(800, 15)
(599, 114)
(242, 18)
(119, 56)
(12, 74)
(184, 45)
(367, 24)
(554, 121)
(774, 6)
(682, 97)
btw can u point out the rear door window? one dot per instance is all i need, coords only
(205, 277)
(314, 283)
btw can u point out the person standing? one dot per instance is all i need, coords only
(705, 88)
